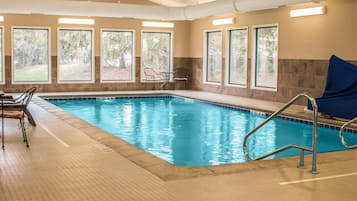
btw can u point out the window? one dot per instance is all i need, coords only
(117, 56)
(2, 77)
(156, 55)
(266, 57)
(237, 57)
(75, 55)
(30, 55)
(213, 60)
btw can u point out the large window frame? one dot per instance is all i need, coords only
(171, 60)
(133, 70)
(205, 57)
(254, 58)
(93, 57)
(49, 79)
(2, 55)
(228, 57)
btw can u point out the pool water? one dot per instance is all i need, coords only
(186, 132)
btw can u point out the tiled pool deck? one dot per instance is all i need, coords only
(63, 163)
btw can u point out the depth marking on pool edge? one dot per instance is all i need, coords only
(318, 179)
(53, 135)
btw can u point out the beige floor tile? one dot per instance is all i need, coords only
(68, 162)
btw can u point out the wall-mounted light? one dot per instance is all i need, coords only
(223, 21)
(205, 1)
(308, 11)
(158, 24)
(75, 21)
(1, 18)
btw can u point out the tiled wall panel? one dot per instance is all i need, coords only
(294, 76)
(184, 63)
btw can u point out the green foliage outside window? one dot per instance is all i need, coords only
(1, 55)
(117, 55)
(75, 55)
(214, 56)
(266, 56)
(156, 51)
(30, 55)
(238, 48)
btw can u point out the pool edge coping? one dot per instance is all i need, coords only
(164, 169)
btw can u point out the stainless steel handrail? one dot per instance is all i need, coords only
(343, 138)
(313, 149)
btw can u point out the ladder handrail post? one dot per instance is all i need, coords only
(302, 159)
(314, 137)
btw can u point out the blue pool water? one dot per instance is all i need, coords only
(194, 133)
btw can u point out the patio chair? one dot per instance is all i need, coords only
(180, 78)
(10, 101)
(17, 110)
(180, 74)
(151, 75)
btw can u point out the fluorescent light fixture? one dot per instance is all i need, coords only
(223, 21)
(1, 18)
(75, 21)
(158, 24)
(205, 1)
(308, 11)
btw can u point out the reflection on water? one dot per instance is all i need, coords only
(191, 133)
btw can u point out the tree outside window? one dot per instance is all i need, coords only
(117, 55)
(30, 59)
(238, 47)
(266, 65)
(156, 55)
(1, 56)
(75, 52)
(214, 56)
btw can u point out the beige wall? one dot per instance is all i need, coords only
(181, 31)
(305, 44)
(313, 37)
(180, 53)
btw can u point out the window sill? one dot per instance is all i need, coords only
(236, 85)
(265, 89)
(213, 83)
(155, 81)
(117, 81)
(75, 82)
(15, 83)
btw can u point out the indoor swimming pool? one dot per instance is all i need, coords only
(188, 132)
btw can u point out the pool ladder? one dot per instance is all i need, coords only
(312, 149)
(342, 137)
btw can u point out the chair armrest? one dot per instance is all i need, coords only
(13, 106)
(6, 97)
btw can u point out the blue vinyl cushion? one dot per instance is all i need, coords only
(340, 96)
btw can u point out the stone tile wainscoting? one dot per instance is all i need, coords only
(182, 63)
(294, 76)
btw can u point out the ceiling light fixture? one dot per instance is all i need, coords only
(223, 21)
(205, 1)
(76, 21)
(308, 11)
(158, 24)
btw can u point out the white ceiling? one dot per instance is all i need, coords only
(180, 3)
(167, 3)
(141, 9)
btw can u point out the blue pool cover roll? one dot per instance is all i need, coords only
(340, 96)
